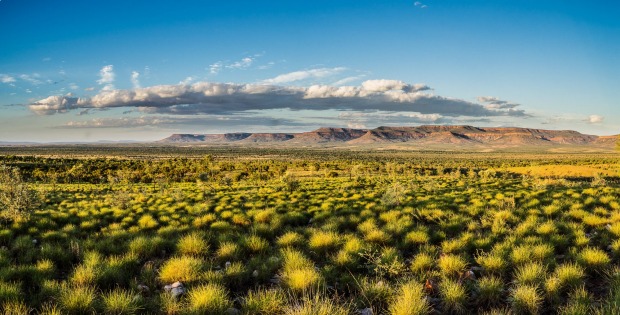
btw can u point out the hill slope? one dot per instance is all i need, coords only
(422, 135)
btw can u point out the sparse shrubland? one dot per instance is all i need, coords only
(279, 232)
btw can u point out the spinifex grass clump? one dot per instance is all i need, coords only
(181, 268)
(409, 300)
(193, 244)
(120, 302)
(208, 299)
(451, 265)
(453, 297)
(593, 259)
(264, 302)
(525, 299)
(298, 272)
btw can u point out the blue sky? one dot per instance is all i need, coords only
(141, 70)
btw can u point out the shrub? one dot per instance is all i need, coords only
(208, 299)
(16, 199)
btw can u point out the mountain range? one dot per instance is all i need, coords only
(423, 135)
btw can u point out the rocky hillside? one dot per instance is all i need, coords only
(421, 134)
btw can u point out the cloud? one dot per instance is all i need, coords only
(420, 5)
(54, 104)
(228, 98)
(241, 64)
(496, 103)
(387, 118)
(106, 78)
(176, 122)
(216, 67)
(595, 119)
(187, 81)
(348, 80)
(32, 79)
(135, 79)
(304, 75)
(5, 78)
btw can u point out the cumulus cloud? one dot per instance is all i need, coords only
(595, 119)
(346, 80)
(106, 78)
(496, 103)
(228, 98)
(5, 78)
(305, 75)
(135, 79)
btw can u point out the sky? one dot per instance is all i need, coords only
(115, 70)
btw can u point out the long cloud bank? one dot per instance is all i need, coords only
(228, 98)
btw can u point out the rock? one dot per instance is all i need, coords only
(430, 287)
(232, 311)
(143, 289)
(366, 311)
(227, 265)
(469, 275)
(255, 273)
(177, 292)
(477, 269)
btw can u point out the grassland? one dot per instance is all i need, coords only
(311, 232)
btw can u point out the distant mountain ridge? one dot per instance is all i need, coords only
(427, 134)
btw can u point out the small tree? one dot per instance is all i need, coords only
(16, 199)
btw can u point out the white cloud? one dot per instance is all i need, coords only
(228, 98)
(305, 75)
(348, 80)
(595, 119)
(106, 78)
(216, 67)
(496, 103)
(73, 86)
(175, 122)
(5, 78)
(388, 85)
(187, 81)
(32, 79)
(135, 79)
(241, 64)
